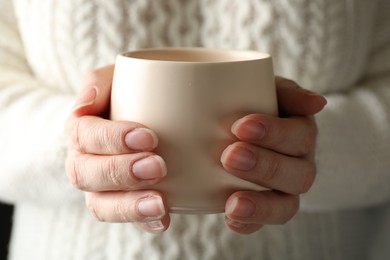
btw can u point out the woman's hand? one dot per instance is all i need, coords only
(110, 160)
(277, 153)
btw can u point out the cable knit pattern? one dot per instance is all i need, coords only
(340, 48)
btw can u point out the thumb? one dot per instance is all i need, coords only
(94, 97)
(296, 101)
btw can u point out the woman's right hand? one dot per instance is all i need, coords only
(113, 161)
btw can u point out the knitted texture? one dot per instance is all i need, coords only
(340, 48)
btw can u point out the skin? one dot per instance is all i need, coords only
(277, 153)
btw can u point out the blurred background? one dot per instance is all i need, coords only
(5, 228)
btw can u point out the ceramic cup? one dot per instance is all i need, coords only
(190, 97)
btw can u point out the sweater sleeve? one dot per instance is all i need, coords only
(353, 149)
(32, 115)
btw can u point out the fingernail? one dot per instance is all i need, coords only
(319, 98)
(239, 158)
(86, 98)
(151, 207)
(241, 207)
(149, 168)
(155, 225)
(141, 139)
(311, 93)
(248, 130)
(235, 223)
(324, 101)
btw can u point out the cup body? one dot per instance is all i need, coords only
(190, 97)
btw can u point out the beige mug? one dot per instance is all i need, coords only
(187, 96)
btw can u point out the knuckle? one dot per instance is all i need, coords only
(106, 139)
(69, 126)
(291, 209)
(112, 170)
(295, 205)
(73, 172)
(309, 177)
(75, 130)
(270, 169)
(264, 211)
(91, 203)
(278, 135)
(309, 141)
(122, 211)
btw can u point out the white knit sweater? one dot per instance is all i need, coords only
(340, 48)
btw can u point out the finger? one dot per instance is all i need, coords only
(90, 134)
(133, 206)
(296, 101)
(109, 173)
(269, 169)
(94, 97)
(293, 136)
(245, 208)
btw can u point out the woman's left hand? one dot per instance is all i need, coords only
(274, 152)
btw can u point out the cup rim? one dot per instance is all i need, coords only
(197, 55)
